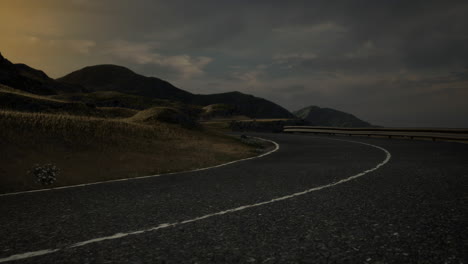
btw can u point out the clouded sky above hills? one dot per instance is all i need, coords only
(394, 63)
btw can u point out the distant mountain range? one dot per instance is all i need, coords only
(123, 80)
(316, 116)
(112, 85)
(117, 86)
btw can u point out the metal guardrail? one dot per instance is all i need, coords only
(411, 133)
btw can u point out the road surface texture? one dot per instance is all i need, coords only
(408, 204)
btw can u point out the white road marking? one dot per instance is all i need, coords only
(149, 176)
(29, 255)
(166, 225)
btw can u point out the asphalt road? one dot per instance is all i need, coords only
(411, 208)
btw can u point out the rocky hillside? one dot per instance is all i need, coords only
(317, 116)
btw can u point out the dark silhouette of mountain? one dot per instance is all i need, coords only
(120, 79)
(25, 78)
(26, 71)
(317, 116)
(123, 80)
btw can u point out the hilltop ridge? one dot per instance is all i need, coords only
(108, 77)
(115, 78)
(26, 78)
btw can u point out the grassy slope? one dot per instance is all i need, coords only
(89, 149)
(112, 99)
(102, 99)
(17, 100)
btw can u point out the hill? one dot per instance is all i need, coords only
(244, 104)
(120, 79)
(91, 149)
(124, 81)
(164, 114)
(114, 133)
(25, 78)
(317, 116)
(113, 99)
(16, 100)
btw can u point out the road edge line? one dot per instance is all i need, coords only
(240, 208)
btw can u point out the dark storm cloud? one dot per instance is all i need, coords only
(419, 33)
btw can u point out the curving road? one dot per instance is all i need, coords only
(315, 200)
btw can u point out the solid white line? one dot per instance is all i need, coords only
(29, 255)
(166, 225)
(149, 176)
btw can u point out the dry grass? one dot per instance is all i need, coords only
(154, 115)
(89, 149)
(7, 89)
(16, 100)
(116, 112)
(217, 126)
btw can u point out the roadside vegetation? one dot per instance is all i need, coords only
(90, 149)
(21, 101)
(106, 122)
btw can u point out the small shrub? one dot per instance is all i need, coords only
(45, 174)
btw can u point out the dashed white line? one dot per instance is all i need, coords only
(166, 225)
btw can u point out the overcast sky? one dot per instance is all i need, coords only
(392, 63)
